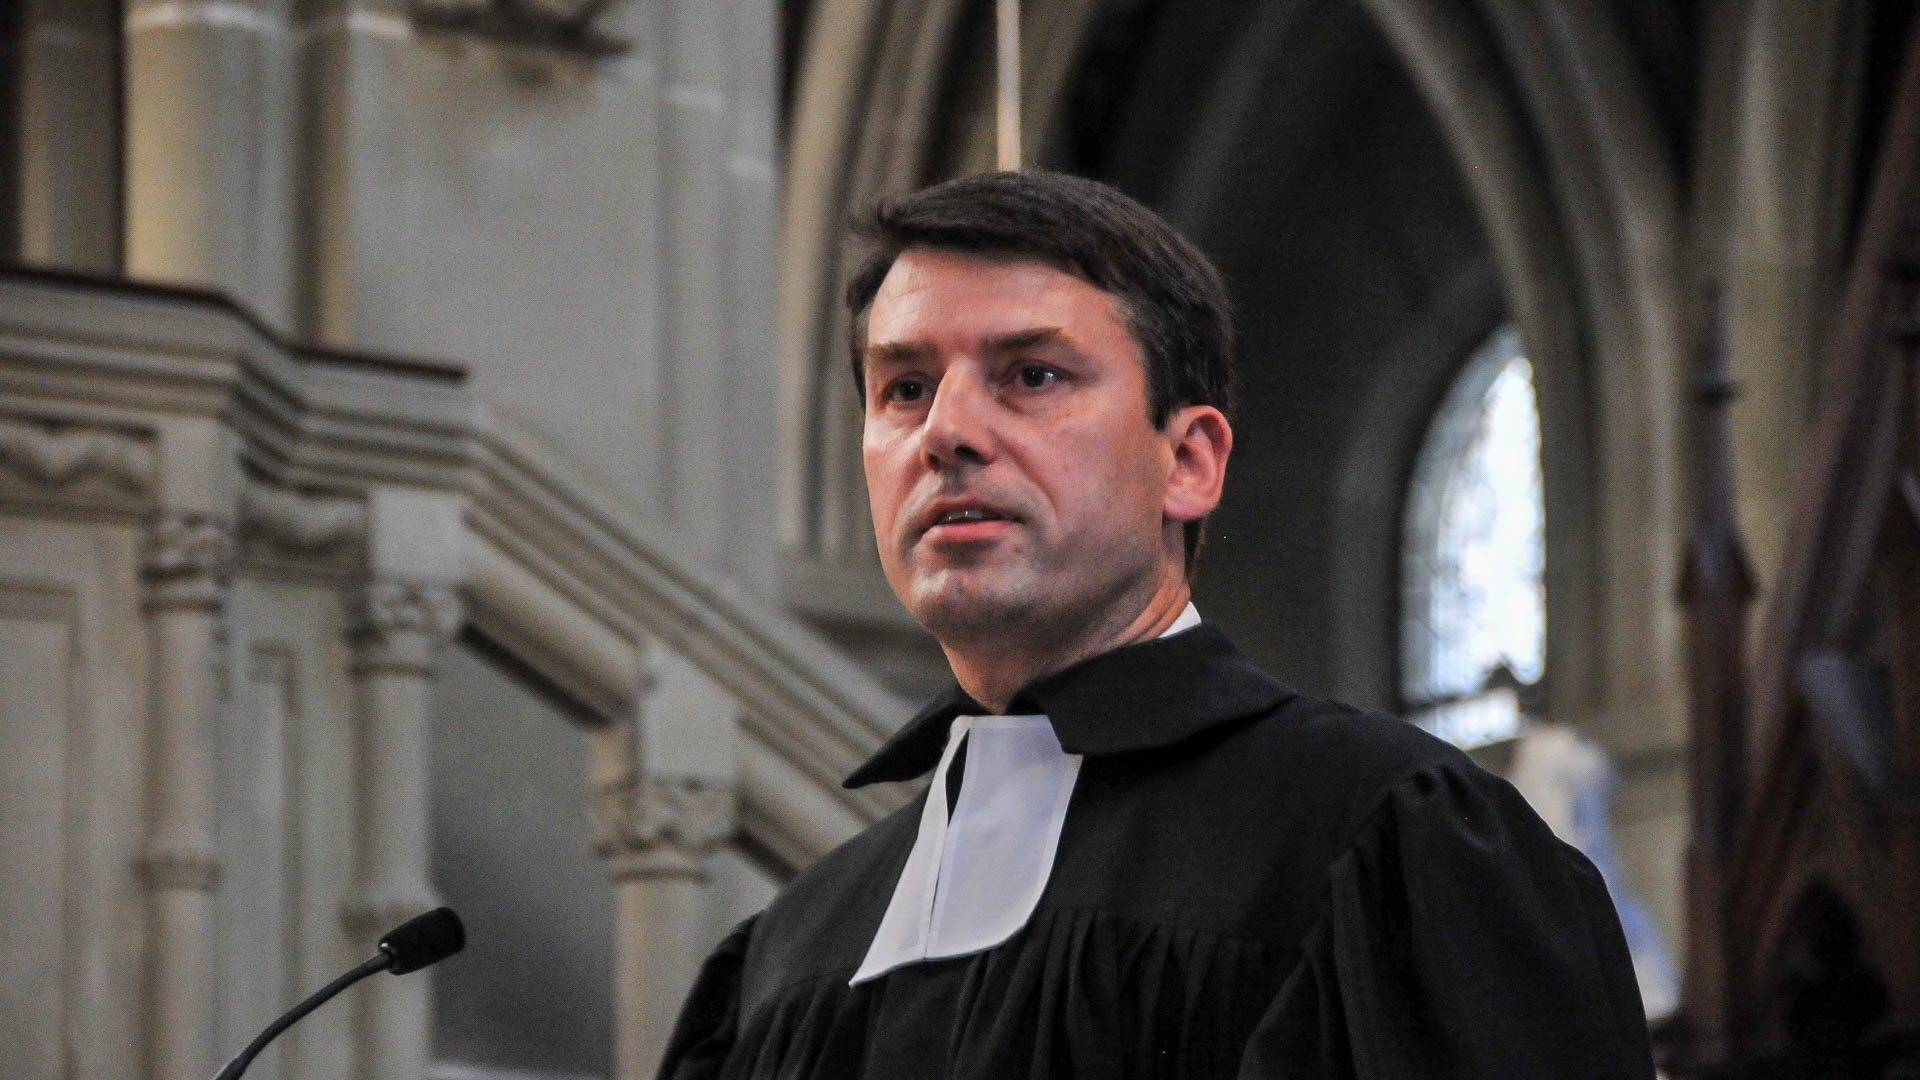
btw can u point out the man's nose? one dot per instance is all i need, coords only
(959, 424)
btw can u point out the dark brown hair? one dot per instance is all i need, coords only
(1173, 299)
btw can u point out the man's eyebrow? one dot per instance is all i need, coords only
(1023, 339)
(910, 352)
(897, 352)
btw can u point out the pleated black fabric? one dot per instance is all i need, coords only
(1249, 883)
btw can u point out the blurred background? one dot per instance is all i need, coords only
(429, 473)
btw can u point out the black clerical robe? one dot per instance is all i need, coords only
(1249, 883)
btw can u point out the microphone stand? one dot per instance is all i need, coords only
(421, 940)
(245, 1057)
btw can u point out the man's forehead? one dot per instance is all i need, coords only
(917, 267)
(991, 300)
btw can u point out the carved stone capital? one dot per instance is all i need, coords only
(400, 624)
(179, 866)
(299, 521)
(52, 454)
(186, 559)
(654, 825)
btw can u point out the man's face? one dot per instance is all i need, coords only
(1017, 485)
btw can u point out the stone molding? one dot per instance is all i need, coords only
(398, 625)
(48, 453)
(186, 560)
(654, 825)
(799, 698)
(300, 521)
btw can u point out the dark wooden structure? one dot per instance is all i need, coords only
(1803, 871)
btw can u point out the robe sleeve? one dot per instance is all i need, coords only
(709, 1021)
(1460, 939)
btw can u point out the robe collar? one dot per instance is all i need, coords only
(1143, 696)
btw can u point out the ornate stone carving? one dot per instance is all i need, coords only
(399, 624)
(649, 824)
(563, 25)
(299, 521)
(391, 607)
(186, 560)
(50, 454)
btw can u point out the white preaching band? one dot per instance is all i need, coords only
(972, 881)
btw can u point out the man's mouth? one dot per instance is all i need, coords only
(952, 516)
(964, 522)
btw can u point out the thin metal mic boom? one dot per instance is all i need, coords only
(422, 940)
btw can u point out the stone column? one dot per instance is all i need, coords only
(185, 570)
(69, 169)
(656, 832)
(396, 628)
(1791, 128)
(208, 142)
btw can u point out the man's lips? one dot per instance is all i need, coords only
(958, 531)
(964, 520)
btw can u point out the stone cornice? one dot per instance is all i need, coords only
(308, 417)
(51, 453)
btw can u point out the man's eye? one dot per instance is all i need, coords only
(1033, 377)
(906, 390)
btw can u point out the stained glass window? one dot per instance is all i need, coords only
(1473, 599)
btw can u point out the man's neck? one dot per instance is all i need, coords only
(993, 676)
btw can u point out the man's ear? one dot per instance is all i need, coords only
(1201, 439)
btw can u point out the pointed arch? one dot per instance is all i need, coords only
(1552, 132)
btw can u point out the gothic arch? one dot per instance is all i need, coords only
(1581, 207)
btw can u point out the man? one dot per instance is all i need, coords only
(1137, 855)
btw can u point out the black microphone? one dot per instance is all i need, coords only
(421, 940)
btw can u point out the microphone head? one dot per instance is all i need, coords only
(423, 940)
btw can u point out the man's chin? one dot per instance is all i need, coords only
(965, 607)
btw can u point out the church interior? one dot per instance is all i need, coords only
(429, 475)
